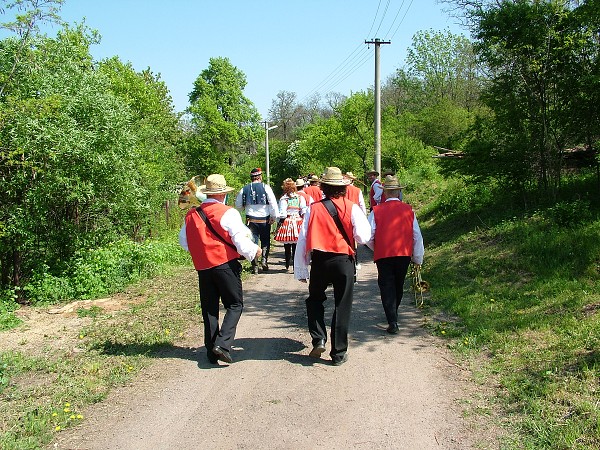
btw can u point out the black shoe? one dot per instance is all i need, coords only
(393, 328)
(222, 354)
(265, 267)
(212, 358)
(255, 270)
(317, 349)
(339, 360)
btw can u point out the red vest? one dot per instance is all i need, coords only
(206, 249)
(314, 191)
(353, 193)
(393, 230)
(323, 233)
(372, 201)
(305, 195)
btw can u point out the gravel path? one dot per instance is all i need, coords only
(395, 392)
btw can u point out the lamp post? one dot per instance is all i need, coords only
(267, 128)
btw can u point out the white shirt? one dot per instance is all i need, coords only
(232, 223)
(361, 202)
(283, 204)
(418, 246)
(377, 191)
(259, 210)
(361, 230)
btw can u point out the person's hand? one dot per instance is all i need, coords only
(417, 266)
(258, 253)
(271, 220)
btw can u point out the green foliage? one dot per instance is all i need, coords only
(543, 63)
(224, 123)
(101, 271)
(570, 214)
(523, 289)
(89, 155)
(114, 347)
(445, 65)
(8, 306)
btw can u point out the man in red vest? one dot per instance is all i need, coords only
(329, 246)
(395, 240)
(313, 190)
(376, 189)
(215, 236)
(354, 193)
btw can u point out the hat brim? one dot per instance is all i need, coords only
(393, 187)
(224, 190)
(336, 182)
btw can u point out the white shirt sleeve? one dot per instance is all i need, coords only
(418, 246)
(283, 207)
(301, 257)
(303, 205)
(360, 225)
(361, 203)
(240, 234)
(371, 243)
(183, 238)
(239, 199)
(273, 209)
(377, 191)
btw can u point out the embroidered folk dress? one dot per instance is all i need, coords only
(292, 206)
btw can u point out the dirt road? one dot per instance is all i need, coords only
(395, 392)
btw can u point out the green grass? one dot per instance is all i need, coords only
(524, 288)
(520, 290)
(45, 392)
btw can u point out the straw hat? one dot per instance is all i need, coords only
(391, 182)
(300, 182)
(372, 172)
(215, 184)
(333, 176)
(350, 175)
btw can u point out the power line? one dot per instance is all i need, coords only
(357, 58)
(382, 17)
(394, 21)
(374, 18)
(403, 17)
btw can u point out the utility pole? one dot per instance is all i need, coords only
(267, 128)
(377, 158)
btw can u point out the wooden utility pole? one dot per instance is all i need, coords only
(377, 158)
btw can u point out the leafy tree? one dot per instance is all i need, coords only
(158, 138)
(345, 139)
(24, 26)
(284, 112)
(224, 122)
(446, 66)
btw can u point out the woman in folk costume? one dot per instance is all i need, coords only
(292, 207)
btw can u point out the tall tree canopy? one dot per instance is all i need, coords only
(225, 124)
(87, 152)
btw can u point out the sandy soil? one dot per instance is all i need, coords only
(395, 392)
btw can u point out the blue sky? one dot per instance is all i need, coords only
(301, 46)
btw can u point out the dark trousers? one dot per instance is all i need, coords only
(337, 269)
(262, 232)
(391, 273)
(223, 282)
(290, 251)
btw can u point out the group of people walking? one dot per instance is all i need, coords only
(320, 226)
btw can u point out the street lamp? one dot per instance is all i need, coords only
(267, 128)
